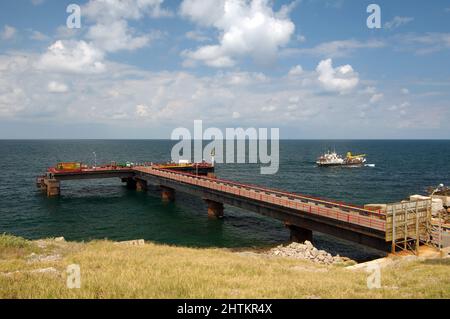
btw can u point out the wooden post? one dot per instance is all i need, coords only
(405, 228)
(417, 229)
(393, 231)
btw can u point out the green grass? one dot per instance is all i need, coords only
(14, 247)
(109, 270)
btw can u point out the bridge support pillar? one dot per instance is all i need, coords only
(131, 183)
(141, 185)
(299, 234)
(215, 209)
(167, 194)
(52, 187)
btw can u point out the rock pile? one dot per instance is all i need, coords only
(307, 251)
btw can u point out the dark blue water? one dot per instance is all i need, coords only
(105, 209)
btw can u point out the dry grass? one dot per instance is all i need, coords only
(157, 271)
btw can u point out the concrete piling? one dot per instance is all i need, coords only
(141, 185)
(299, 234)
(215, 209)
(167, 194)
(52, 187)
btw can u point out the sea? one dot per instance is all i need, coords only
(105, 209)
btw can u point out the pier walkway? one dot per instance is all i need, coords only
(300, 213)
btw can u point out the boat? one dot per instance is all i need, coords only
(330, 159)
(334, 159)
(355, 160)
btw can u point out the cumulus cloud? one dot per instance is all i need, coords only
(116, 36)
(247, 28)
(8, 32)
(296, 70)
(113, 10)
(72, 56)
(56, 87)
(111, 32)
(153, 103)
(340, 79)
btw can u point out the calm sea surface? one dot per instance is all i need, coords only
(100, 209)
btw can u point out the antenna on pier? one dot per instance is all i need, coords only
(213, 155)
(95, 159)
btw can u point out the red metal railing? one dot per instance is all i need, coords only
(338, 211)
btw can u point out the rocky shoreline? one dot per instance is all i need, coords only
(307, 251)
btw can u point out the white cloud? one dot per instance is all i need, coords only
(111, 32)
(8, 32)
(242, 78)
(376, 98)
(340, 79)
(405, 91)
(142, 110)
(56, 87)
(153, 103)
(398, 22)
(197, 36)
(113, 10)
(248, 28)
(296, 70)
(12, 100)
(72, 56)
(116, 36)
(203, 12)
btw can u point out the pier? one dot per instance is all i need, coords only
(400, 226)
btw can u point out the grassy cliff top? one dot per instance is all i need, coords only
(38, 269)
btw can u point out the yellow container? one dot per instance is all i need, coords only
(68, 166)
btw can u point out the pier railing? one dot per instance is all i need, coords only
(334, 210)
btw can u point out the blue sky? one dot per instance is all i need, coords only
(141, 68)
